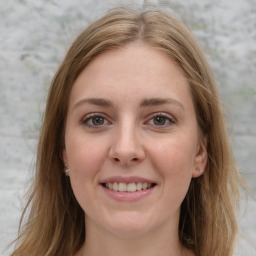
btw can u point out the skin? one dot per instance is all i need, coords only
(129, 134)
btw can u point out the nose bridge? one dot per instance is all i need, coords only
(126, 147)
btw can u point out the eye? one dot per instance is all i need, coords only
(161, 120)
(95, 121)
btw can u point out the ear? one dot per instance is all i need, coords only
(64, 156)
(200, 158)
(65, 159)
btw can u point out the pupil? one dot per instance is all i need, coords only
(159, 120)
(97, 120)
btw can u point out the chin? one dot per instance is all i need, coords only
(130, 227)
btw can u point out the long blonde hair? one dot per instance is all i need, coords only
(55, 224)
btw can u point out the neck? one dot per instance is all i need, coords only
(162, 241)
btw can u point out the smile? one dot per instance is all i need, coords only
(128, 187)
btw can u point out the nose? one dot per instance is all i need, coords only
(126, 147)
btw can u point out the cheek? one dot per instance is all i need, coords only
(85, 155)
(174, 162)
(85, 158)
(174, 157)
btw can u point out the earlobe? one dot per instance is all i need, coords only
(200, 158)
(65, 159)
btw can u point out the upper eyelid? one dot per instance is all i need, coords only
(89, 116)
(169, 118)
(109, 119)
(93, 114)
(164, 114)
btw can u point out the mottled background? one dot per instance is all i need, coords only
(34, 36)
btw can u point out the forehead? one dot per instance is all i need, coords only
(135, 69)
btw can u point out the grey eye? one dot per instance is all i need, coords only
(160, 120)
(97, 120)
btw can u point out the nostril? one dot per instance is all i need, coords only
(135, 159)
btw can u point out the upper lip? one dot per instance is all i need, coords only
(131, 179)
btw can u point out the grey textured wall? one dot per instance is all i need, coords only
(34, 36)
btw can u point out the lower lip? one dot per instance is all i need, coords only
(128, 196)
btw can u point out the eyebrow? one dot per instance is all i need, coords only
(144, 103)
(160, 101)
(94, 101)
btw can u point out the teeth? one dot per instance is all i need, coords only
(144, 185)
(115, 186)
(122, 187)
(139, 186)
(130, 187)
(110, 185)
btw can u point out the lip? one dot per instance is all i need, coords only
(127, 196)
(124, 179)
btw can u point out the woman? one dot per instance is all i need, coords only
(133, 157)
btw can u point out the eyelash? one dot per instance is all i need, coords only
(166, 117)
(89, 118)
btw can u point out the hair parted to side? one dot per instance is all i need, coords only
(55, 225)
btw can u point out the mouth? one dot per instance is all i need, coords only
(128, 187)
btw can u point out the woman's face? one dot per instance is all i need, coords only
(132, 141)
